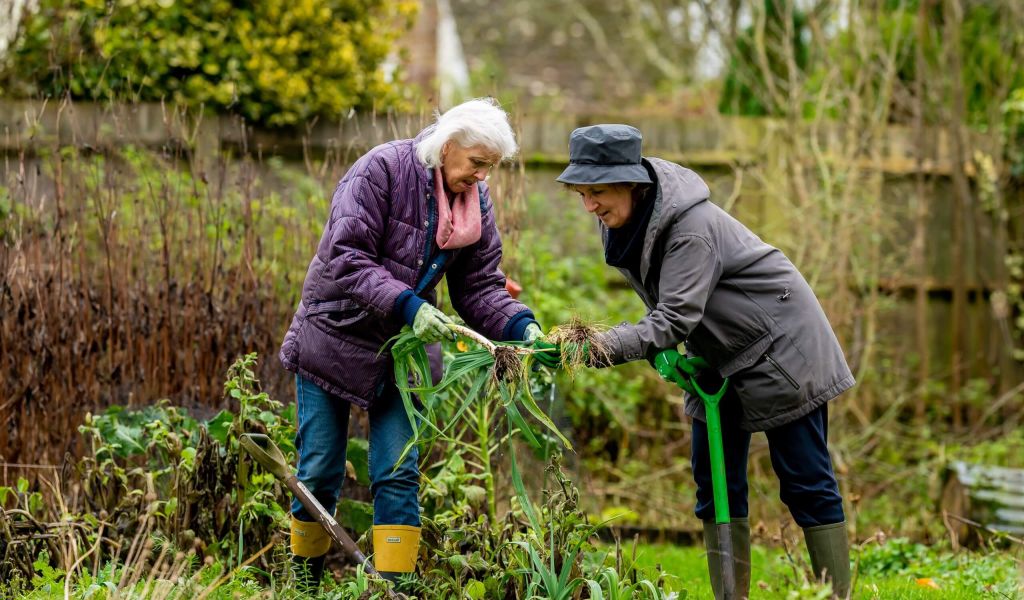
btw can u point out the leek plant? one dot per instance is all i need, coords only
(483, 386)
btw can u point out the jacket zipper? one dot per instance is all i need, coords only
(789, 378)
(424, 266)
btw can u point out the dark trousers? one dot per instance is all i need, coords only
(799, 457)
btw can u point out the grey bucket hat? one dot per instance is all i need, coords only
(606, 153)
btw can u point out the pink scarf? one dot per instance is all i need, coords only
(458, 221)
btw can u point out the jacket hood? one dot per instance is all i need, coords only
(679, 190)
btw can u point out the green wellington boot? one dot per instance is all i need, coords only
(829, 548)
(741, 556)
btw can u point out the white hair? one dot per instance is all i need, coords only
(479, 122)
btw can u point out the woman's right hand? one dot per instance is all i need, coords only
(677, 368)
(431, 325)
(547, 354)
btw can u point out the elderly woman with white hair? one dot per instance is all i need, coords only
(406, 214)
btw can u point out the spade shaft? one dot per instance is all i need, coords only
(264, 451)
(719, 485)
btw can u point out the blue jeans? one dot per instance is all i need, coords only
(800, 458)
(322, 440)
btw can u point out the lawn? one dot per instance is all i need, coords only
(896, 569)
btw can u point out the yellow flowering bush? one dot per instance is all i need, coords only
(276, 62)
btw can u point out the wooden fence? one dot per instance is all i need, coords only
(715, 145)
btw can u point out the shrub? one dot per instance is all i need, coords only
(273, 61)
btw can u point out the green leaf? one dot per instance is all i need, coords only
(41, 562)
(458, 561)
(125, 437)
(35, 503)
(517, 419)
(464, 364)
(531, 405)
(188, 458)
(524, 499)
(473, 394)
(474, 494)
(171, 506)
(355, 516)
(219, 425)
(358, 453)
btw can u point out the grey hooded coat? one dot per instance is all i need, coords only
(712, 284)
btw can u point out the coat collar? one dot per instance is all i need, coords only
(677, 189)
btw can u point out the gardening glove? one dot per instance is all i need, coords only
(678, 369)
(431, 325)
(547, 354)
(552, 355)
(533, 333)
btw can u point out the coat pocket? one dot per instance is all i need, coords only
(337, 314)
(782, 371)
(775, 384)
(341, 361)
(746, 357)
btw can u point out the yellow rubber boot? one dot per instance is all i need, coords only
(395, 548)
(310, 544)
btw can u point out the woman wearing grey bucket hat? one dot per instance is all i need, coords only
(710, 283)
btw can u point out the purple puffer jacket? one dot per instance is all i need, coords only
(375, 246)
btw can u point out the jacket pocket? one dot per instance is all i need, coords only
(341, 361)
(746, 357)
(337, 314)
(785, 374)
(775, 384)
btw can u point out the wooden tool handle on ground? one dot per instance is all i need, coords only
(269, 456)
(333, 529)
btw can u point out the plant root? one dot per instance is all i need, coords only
(582, 344)
(508, 365)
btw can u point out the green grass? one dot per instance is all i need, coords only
(690, 566)
(888, 571)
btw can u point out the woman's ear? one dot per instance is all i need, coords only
(444, 150)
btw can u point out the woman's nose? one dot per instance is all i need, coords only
(589, 204)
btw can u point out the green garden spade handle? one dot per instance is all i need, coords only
(719, 484)
(264, 451)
